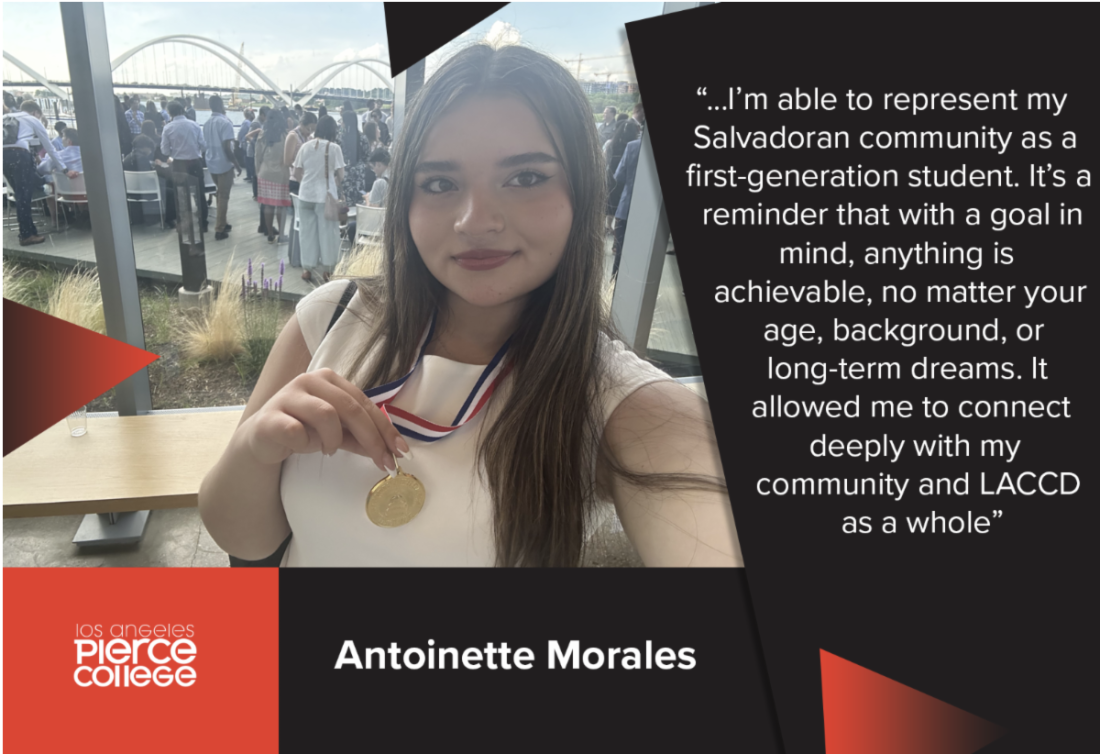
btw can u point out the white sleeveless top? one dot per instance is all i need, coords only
(325, 496)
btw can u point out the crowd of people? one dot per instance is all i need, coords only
(314, 156)
(281, 150)
(621, 138)
(348, 161)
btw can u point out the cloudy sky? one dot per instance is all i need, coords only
(289, 41)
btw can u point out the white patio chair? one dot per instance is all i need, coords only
(369, 221)
(68, 191)
(145, 185)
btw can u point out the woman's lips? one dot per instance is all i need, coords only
(483, 259)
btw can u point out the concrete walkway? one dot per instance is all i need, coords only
(156, 251)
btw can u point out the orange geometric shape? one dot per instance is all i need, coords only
(868, 713)
(55, 367)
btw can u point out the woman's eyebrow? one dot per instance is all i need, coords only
(439, 166)
(527, 158)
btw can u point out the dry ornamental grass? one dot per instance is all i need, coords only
(215, 333)
(363, 260)
(76, 299)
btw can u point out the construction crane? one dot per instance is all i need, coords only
(581, 57)
(236, 100)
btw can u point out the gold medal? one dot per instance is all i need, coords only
(396, 500)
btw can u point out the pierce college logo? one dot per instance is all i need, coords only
(135, 655)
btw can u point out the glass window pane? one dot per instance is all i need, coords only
(250, 260)
(671, 343)
(57, 274)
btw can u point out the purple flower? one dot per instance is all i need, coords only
(250, 268)
(261, 270)
(279, 287)
(282, 269)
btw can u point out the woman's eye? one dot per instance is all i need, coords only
(438, 185)
(527, 179)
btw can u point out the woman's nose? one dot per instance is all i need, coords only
(480, 213)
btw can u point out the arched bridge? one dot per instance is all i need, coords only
(241, 65)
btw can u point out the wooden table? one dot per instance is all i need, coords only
(123, 463)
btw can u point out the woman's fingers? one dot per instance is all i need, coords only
(276, 435)
(395, 444)
(318, 415)
(359, 417)
(321, 411)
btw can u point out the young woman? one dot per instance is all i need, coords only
(319, 167)
(489, 316)
(273, 178)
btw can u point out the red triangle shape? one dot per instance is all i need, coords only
(53, 368)
(868, 713)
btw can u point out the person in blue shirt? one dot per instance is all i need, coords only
(182, 141)
(221, 159)
(624, 175)
(68, 162)
(60, 128)
(68, 158)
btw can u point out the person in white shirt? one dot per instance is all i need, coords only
(319, 169)
(380, 163)
(19, 169)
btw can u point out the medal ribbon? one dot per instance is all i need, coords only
(411, 425)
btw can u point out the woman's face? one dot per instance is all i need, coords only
(491, 211)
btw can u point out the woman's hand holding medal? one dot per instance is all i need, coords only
(321, 411)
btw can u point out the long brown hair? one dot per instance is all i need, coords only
(538, 453)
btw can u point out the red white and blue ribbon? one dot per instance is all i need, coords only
(411, 425)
